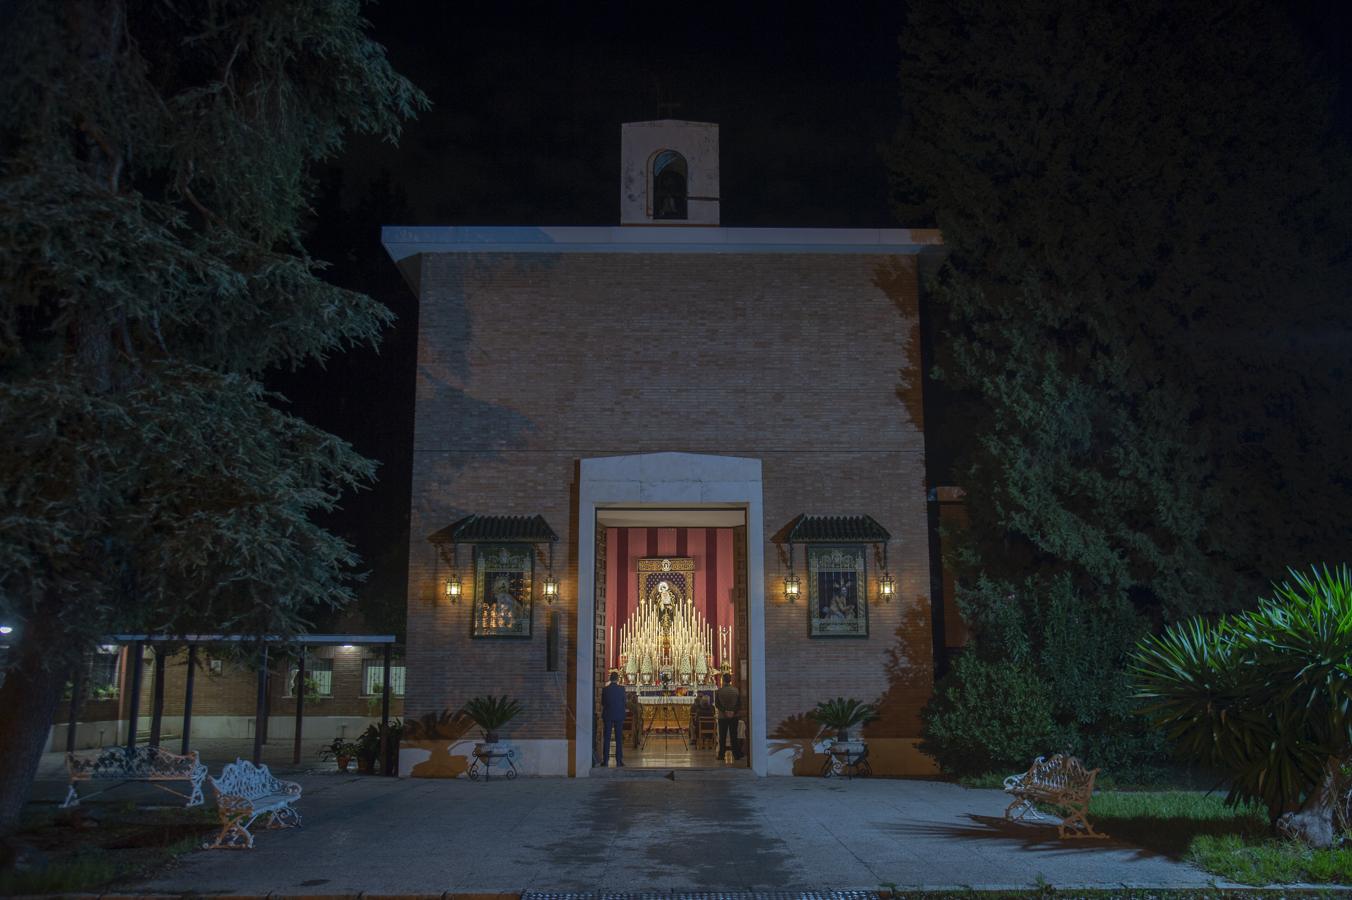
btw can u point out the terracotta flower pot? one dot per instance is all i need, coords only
(343, 763)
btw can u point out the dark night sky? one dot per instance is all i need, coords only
(524, 129)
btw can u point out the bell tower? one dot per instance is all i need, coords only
(668, 173)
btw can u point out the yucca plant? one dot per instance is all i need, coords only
(491, 713)
(842, 715)
(1265, 696)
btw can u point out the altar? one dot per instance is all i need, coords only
(667, 642)
(667, 714)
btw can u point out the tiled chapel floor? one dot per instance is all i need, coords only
(669, 751)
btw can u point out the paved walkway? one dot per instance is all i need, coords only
(609, 834)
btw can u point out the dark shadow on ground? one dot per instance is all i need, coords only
(1034, 836)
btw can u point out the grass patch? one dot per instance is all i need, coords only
(1169, 822)
(1270, 861)
(97, 845)
(1234, 843)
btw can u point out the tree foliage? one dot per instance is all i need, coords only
(1265, 695)
(154, 167)
(1142, 206)
(155, 161)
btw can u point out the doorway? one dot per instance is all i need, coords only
(671, 616)
(668, 492)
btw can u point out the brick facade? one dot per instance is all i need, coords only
(807, 361)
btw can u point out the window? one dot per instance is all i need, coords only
(669, 185)
(104, 669)
(318, 677)
(373, 676)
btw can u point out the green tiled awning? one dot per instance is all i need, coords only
(837, 529)
(476, 529)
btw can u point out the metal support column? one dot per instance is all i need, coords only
(187, 697)
(260, 709)
(76, 685)
(157, 698)
(299, 691)
(134, 712)
(385, 716)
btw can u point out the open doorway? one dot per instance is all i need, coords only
(671, 627)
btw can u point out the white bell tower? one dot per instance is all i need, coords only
(668, 173)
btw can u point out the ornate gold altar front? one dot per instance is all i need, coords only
(666, 640)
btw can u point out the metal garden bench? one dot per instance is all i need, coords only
(1061, 782)
(243, 793)
(153, 764)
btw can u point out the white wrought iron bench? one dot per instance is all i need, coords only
(1061, 782)
(153, 764)
(243, 793)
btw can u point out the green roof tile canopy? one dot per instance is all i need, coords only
(476, 529)
(837, 529)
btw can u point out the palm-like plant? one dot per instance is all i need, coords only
(1265, 696)
(842, 715)
(491, 713)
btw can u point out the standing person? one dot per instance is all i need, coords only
(727, 700)
(613, 711)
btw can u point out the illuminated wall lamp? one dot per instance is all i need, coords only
(551, 584)
(453, 589)
(791, 587)
(887, 587)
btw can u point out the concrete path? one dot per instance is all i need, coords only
(429, 836)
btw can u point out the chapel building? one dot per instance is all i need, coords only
(672, 451)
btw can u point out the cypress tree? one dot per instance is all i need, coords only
(155, 164)
(1146, 213)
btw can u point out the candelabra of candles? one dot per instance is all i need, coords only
(674, 641)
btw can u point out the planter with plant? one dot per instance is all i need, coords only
(368, 745)
(840, 715)
(492, 713)
(340, 751)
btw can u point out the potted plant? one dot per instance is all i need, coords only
(841, 715)
(340, 750)
(491, 713)
(368, 748)
(368, 745)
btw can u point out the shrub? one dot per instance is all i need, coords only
(988, 715)
(1265, 697)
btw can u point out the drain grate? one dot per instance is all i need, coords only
(696, 895)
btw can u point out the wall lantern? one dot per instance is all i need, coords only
(551, 584)
(452, 587)
(887, 585)
(791, 583)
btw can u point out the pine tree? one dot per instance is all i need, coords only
(154, 165)
(1145, 210)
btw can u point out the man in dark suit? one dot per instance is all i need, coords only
(727, 700)
(613, 711)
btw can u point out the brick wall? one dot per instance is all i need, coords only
(529, 362)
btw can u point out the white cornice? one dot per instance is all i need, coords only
(402, 242)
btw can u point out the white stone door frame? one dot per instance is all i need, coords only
(669, 480)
